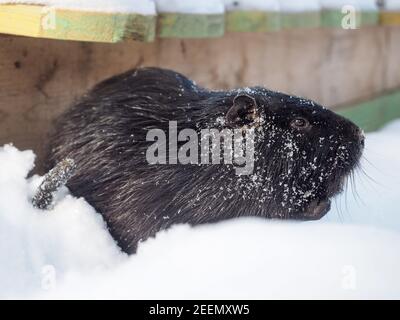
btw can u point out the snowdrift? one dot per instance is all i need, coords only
(68, 253)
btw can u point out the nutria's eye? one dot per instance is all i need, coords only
(300, 123)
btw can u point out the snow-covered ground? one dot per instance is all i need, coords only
(68, 253)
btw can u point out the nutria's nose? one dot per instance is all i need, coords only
(357, 134)
(361, 137)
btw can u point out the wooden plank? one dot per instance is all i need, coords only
(333, 18)
(21, 20)
(391, 108)
(185, 25)
(28, 20)
(311, 19)
(62, 24)
(39, 78)
(390, 18)
(372, 115)
(252, 21)
(100, 27)
(369, 18)
(139, 27)
(333, 13)
(86, 27)
(300, 14)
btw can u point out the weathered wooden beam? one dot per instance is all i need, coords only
(252, 16)
(390, 18)
(186, 25)
(390, 13)
(205, 19)
(64, 24)
(372, 114)
(300, 14)
(365, 12)
(361, 64)
(252, 21)
(183, 19)
(22, 20)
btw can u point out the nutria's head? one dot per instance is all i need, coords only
(304, 152)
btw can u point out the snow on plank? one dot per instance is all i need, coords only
(91, 20)
(190, 19)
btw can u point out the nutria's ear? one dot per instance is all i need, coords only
(243, 111)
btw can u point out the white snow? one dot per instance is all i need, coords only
(249, 5)
(71, 237)
(251, 259)
(392, 5)
(367, 5)
(299, 6)
(144, 7)
(68, 253)
(191, 6)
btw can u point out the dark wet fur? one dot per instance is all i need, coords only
(105, 134)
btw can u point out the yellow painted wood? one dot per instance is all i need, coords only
(390, 18)
(22, 20)
(62, 24)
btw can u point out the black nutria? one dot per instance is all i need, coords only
(303, 154)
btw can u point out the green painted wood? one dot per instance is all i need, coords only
(180, 25)
(300, 20)
(372, 115)
(252, 21)
(88, 27)
(333, 18)
(139, 27)
(92, 26)
(392, 107)
(369, 18)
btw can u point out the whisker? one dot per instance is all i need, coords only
(336, 200)
(356, 195)
(359, 167)
(371, 182)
